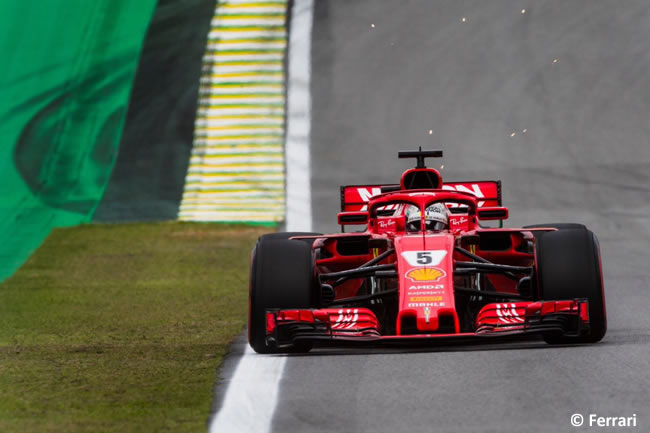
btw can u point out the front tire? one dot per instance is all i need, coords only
(281, 278)
(569, 267)
(287, 235)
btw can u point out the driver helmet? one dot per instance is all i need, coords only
(436, 218)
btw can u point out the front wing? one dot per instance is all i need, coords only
(360, 325)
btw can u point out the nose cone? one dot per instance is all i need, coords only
(425, 272)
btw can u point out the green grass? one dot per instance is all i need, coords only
(121, 328)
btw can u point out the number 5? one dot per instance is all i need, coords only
(424, 257)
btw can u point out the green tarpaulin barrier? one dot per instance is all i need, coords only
(149, 174)
(66, 75)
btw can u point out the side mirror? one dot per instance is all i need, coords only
(492, 213)
(352, 218)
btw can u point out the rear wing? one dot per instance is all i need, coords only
(355, 197)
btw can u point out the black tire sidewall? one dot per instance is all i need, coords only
(281, 278)
(568, 267)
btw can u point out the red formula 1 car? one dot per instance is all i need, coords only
(425, 270)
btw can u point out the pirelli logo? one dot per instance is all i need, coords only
(425, 299)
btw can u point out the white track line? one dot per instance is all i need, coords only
(299, 118)
(252, 394)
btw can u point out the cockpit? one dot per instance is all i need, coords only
(414, 217)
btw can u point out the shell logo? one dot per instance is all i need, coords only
(425, 274)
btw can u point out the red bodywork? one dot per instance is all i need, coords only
(423, 286)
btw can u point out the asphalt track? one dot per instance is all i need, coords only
(574, 77)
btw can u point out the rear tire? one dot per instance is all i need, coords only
(569, 267)
(559, 226)
(281, 277)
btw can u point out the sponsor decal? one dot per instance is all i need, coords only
(424, 258)
(347, 318)
(427, 287)
(387, 224)
(425, 304)
(458, 221)
(426, 292)
(365, 194)
(425, 298)
(427, 314)
(508, 314)
(425, 274)
(476, 190)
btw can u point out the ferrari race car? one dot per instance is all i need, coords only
(425, 269)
